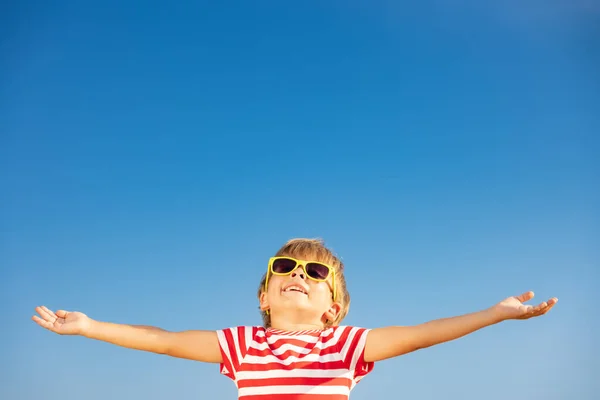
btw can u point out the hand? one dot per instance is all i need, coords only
(62, 322)
(513, 307)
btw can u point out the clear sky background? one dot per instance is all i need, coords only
(154, 156)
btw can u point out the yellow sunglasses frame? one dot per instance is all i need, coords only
(301, 263)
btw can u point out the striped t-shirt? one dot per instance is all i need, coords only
(303, 365)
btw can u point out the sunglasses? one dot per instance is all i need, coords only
(316, 271)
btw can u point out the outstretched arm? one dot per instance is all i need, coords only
(383, 343)
(193, 345)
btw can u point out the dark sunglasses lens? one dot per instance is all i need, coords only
(317, 271)
(283, 265)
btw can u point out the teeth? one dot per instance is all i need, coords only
(294, 288)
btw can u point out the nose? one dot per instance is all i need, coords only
(299, 271)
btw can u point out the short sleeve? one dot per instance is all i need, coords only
(233, 343)
(352, 342)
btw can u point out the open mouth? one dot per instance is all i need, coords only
(294, 288)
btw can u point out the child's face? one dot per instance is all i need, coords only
(299, 297)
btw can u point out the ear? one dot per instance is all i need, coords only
(264, 304)
(332, 313)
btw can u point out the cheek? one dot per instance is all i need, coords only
(274, 284)
(321, 289)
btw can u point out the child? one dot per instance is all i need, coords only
(301, 351)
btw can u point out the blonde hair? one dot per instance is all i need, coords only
(314, 250)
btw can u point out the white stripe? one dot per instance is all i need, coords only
(274, 337)
(225, 347)
(236, 343)
(295, 373)
(288, 333)
(248, 334)
(299, 389)
(358, 350)
(286, 347)
(348, 342)
(303, 338)
(292, 359)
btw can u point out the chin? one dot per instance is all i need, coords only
(296, 304)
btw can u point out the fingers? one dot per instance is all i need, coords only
(42, 322)
(548, 306)
(46, 318)
(544, 307)
(525, 296)
(46, 314)
(540, 309)
(61, 314)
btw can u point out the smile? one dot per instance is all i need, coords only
(294, 288)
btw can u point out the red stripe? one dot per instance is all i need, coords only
(227, 364)
(276, 337)
(241, 331)
(296, 342)
(291, 352)
(245, 383)
(295, 397)
(296, 365)
(352, 347)
(343, 338)
(232, 349)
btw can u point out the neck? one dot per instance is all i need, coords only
(285, 324)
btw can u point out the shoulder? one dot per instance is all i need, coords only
(243, 328)
(242, 333)
(348, 327)
(347, 330)
(348, 336)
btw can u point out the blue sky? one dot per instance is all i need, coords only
(153, 157)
